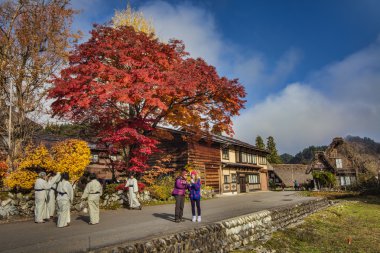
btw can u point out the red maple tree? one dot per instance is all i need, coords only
(125, 83)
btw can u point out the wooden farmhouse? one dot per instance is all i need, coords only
(227, 165)
(338, 159)
(287, 174)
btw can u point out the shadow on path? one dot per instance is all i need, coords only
(167, 216)
(84, 218)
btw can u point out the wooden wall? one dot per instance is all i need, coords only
(176, 148)
(207, 157)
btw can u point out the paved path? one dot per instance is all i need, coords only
(126, 225)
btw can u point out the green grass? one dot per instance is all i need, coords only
(356, 220)
(329, 194)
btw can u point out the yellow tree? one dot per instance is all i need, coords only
(33, 160)
(36, 158)
(35, 36)
(129, 17)
(72, 156)
(23, 179)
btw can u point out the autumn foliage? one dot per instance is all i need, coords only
(36, 158)
(126, 83)
(3, 170)
(70, 156)
(159, 169)
(22, 178)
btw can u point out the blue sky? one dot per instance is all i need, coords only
(311, 68)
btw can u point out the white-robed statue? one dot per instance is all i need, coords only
(92, 193)
(133, 190)
(51, 203)
(41, 188)
(64, 199)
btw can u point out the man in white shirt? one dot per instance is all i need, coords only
(53, 182)
(92, 193)
(133, 189)
(64, 198)
(41, 187)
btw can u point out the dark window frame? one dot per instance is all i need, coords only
(226, 153)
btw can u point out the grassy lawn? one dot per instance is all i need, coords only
(353, 225)
(329, 195)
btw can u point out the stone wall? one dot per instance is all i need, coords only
(226, 235)
(16, 205)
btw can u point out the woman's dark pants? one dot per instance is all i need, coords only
(198, 203)
(179, 204)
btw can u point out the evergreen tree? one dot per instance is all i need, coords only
(260, 142)
(286, 158)
(273, 157)
(306, 155)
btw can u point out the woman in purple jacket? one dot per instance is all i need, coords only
(179, 192)
(195, 195)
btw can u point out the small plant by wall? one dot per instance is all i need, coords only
(325, 179)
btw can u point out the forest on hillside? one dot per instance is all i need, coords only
(366, 149)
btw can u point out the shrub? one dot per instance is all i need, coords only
(36, 158)
(110, 189)
(272, 184)
(140, 185)
(3, 169)
(72, 156)
(163, 188)
(21, 179)
(325, 179)
(3, 172)
(120, 187)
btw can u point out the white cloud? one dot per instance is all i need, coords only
(191, 24)
(340, 99)
(197, 28)
(343, 98)
(259, 77)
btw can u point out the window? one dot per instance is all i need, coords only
(253, 179)
(95, 158)
(254, 159)
(226, 179)
(348, 181)
(342, 183)
(249, 158)
(233, 177)
(345, 180)
(339, 164)
(238, 156)
(225, 153)
(244, 157)
(262, 160)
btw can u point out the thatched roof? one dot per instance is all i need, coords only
(290, 172)
(338, 149)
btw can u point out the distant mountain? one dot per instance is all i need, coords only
(303, 157)
(364, 150)
(367, 152)
(286, 158)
